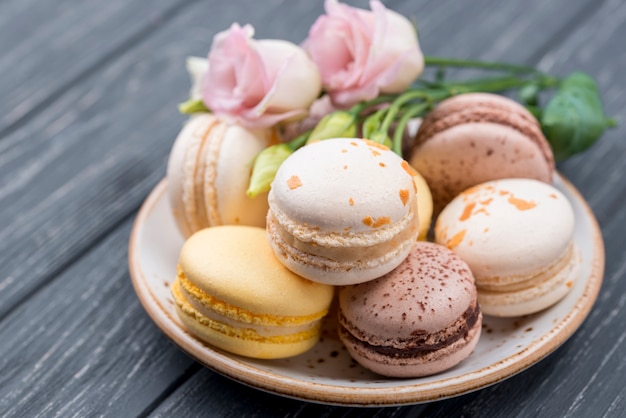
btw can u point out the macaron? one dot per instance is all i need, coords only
(476, 137)
(208, 172)
(517, 236)
(420, 319)
(343, 211)
(424, 205)
(233, 294)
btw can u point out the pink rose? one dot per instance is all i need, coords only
(363, 53)
(258, 83)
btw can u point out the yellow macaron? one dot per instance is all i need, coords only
(232, 293)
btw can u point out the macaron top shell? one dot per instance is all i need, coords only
(430, 291)
(487, 108)
(344, 185)
(235, 264)
(507, 228)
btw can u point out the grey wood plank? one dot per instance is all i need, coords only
(84, 346)
(47, 44)
(241, 400)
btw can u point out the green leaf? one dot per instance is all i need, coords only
(265, 166)
(574, 118)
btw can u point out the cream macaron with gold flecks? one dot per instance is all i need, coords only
(343, 211)
(208, 173)
(517, 236)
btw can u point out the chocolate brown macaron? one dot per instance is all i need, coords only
(477, 137)
(420, 319)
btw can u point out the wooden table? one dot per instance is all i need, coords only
(87, 117)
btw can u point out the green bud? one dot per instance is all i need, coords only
(192, 106)
(338, 124)
(574, 119)
(529, 94)
(265, 166)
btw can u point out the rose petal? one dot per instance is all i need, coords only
(297, 73)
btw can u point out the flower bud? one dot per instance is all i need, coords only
(338, 124)
(265, 166)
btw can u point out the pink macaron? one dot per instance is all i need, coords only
(476, 137)
(420, 319)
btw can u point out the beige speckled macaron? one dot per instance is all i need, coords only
(343, 211)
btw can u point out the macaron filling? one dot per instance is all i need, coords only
(329, 249)
(421, 344)
(233, 321)
(208, 198)
(513, 283)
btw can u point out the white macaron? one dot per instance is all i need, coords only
(517, 237)
(343, 211)
(208, 173)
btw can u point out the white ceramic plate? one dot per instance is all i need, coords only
(326, 373)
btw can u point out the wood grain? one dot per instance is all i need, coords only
(92, 131)
(47, 45)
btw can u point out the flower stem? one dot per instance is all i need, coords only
(485, 65)
(401, 126)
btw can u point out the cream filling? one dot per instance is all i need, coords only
(265, 325)
(197, 319)
(262, 330)
(306, 234)
(362, 258)
(209, 177)
(189, 182)
(200, 219)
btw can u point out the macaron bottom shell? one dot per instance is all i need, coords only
(544, 290)
(419, 365)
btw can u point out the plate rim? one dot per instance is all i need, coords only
(408, 394)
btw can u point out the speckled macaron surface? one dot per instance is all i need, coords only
(343, 211)
(419, 319)
(517, 237)
(476, 137)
